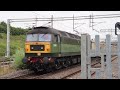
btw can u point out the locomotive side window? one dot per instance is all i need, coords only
(56, 38)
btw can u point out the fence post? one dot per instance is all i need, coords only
(83, 56)
(118, 46)
(97, 53)
(88, 57)
(108, 57)
(102, 65)
(97, 44)
(98, 74)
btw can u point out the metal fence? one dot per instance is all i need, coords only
(110, 48)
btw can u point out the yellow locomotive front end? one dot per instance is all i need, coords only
(37, 44)
(37, 48)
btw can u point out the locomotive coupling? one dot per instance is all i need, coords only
(45, 60)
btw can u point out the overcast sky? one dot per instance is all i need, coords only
(108, 23)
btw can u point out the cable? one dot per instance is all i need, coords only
(63, 19)
(65, 25)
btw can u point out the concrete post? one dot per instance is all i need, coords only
(83, 56)
(108, 57)
(8, 38)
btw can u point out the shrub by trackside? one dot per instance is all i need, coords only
(18, 56)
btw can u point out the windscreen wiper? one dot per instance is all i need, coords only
(43, 35)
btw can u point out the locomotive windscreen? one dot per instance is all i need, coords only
(32, 37)
(38, 37)
(44, 37)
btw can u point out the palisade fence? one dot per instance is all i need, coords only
(110, 49)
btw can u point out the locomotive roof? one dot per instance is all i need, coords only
(45, 30)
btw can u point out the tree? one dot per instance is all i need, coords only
(13, 30)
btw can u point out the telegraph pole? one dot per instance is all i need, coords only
(73, 22)
(52, 21)
(92, 22)
(8, 37)
(36, 20)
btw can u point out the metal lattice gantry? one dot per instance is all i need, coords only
(9, 21)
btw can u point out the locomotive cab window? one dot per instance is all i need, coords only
(56, 38)
(38, 37)
(32, 37)
(44, 37)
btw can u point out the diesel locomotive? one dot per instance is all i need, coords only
(48, 48)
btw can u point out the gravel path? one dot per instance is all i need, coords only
(16, 74)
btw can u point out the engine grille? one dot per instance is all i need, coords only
(37, 47)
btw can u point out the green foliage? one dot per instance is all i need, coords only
(18, 56)
(3, 29)
(12, 49)
(13, 30)
(17, 40)
(18, 31)
(1, 36)
(15, 43)
(3, 24)
(2, 49)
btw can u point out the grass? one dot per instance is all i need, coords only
(17, 64)
(16, 42)
(18, 56)
(6, 69)
(16, 52)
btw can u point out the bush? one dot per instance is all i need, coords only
(1, 36)
(15, 43)
(13, 30)
(2, 49)
(18, 56)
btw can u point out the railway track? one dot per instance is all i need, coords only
(6, 63)
(50, 75)
(58, 74)
(76, 72)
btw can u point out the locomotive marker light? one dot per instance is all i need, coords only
(38, 54)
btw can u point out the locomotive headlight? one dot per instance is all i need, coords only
(27, 47)
(48, 47)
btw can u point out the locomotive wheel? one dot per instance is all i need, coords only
(66, 63)
(36, 71)
(48, 68)
(58, 65)
(78, 60)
